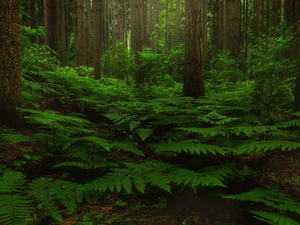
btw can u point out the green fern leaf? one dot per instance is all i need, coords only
(15, 138)
(127, 146)
(15, 207)
(144, 133)
(191, 146)
(257, 146)
(77, 164)
(273, 218)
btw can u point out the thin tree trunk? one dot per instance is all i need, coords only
(10, 63)
(137, 33)
(225, 24)
(220, 25)
(150, 24)
(193, 71)
(167, 28)
(114, 28)
(274, 19)
(97, 49)
(177, 22)
(62, 31)
(81, 34)
(154, 49)
(89, 33)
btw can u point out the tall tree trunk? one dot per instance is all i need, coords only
(234, 38)
(274, 19)
(62, 32)
(10, 63)
(89, 34)
(155, 21)
(97, 47)
(220, 24)
(137, 41)
(268, 18)
(46, 24)
(81, 34)
(33, 20)
(263, 17)
(125, 25)
(205, 44)
(114, 28)
(177, 22)
(225, 24)
(193, 71)
(292, 17)
(150, 24)
(167, 28)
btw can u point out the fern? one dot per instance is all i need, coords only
(270, 198)
(273, 218)
(191, 146)
(11, 138)
(160, 174)
(50, 193)
(127, 146)
(62, 125)
(89, 165)
(258, 146)
(14, 205)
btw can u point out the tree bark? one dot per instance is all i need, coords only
(193, 66)
(234, 38)
(89, 34)
(81, 34)
(10, 63)
(137, 34)
(274, 19)
(292, 17)
(177, 22)
(96, 31)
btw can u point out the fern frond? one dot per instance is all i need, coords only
(144, 133)
(273, 218)
(214, 117)
(15, 207)
(258, 146)
(221, 130)
(11, 138)
(289, 123)
(39, 190)
(127, 146)
(269, 198)
(191, 146)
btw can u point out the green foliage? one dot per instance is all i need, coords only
(15, 207)
(270, 198)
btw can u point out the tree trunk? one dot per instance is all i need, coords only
(234, 38)
(150, 24)
(225, 24)
(274, 22)
(177, 22)
(62, 32)
(167, 29)
(268, 18)
(81, 34)
(10, 63)
(193, 71)
(96, 31)
(220, 25)
(89, 34)
(155, 21)
(33, 20)
(114, 28)
(292, 17)
(137, 34)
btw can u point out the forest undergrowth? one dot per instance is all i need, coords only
(109, 152)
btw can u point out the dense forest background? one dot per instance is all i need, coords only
(149, 111)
